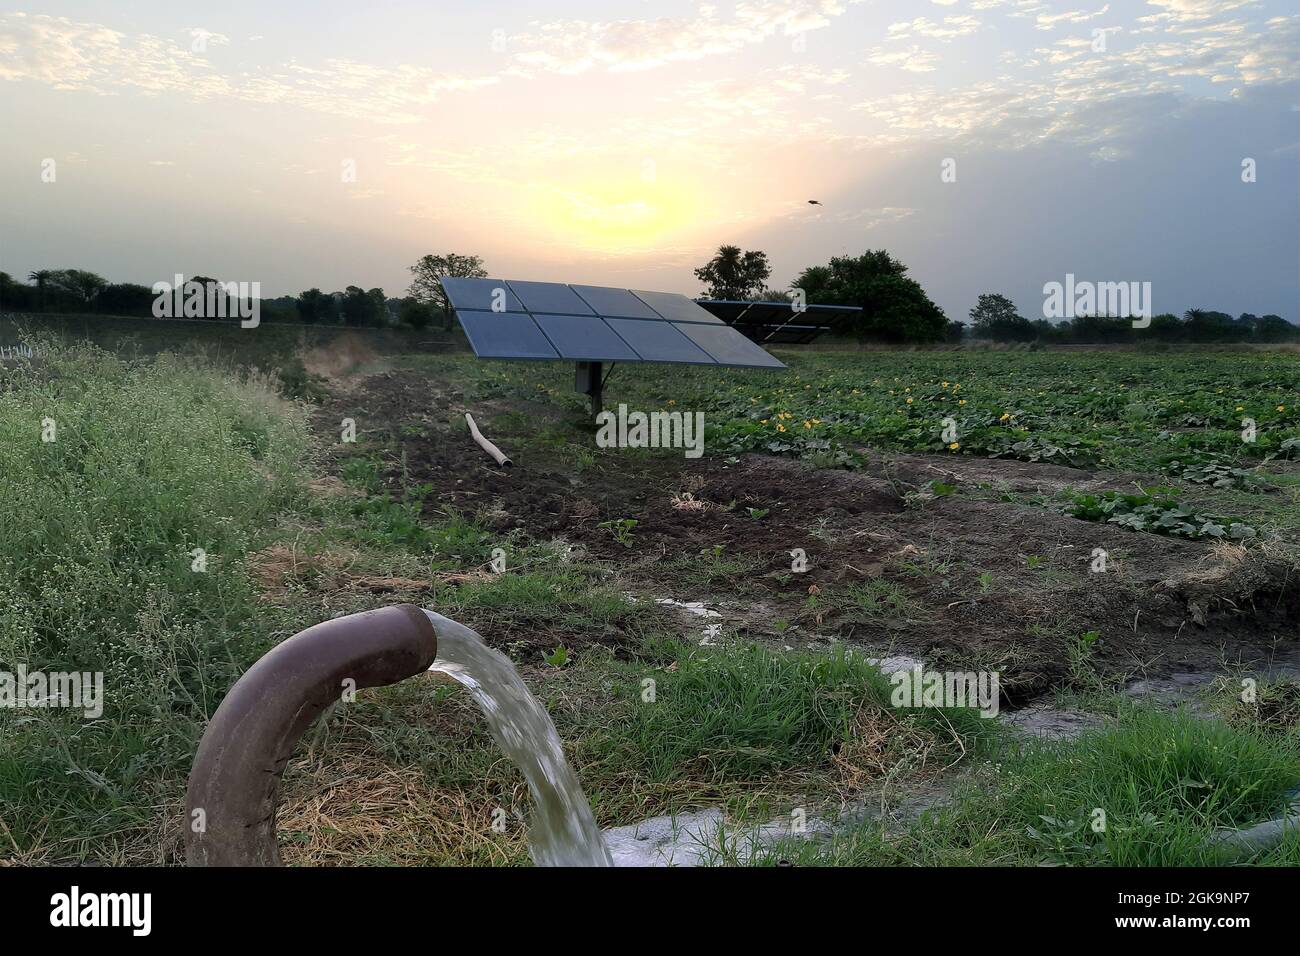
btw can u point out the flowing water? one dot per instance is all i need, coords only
(562, 831)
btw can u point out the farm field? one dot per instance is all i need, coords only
(951, 508)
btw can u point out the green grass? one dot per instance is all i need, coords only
(98, 531)
(748, 712)
(1148, 791)
(665, 727)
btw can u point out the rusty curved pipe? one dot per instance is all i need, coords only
(234, 784)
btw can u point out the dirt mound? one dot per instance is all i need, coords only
(340, 357)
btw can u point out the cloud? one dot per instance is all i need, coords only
(1048, 21)
(201, 38)
(87, 57)
(1192, 11)
(871, 218)
(924, 27)
(913, 59)
(576, 46)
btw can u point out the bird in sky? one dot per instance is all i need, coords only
(814, 202)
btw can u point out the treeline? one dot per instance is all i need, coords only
(895, 308)
(995, 318)
(80, 291)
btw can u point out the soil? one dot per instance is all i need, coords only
(981, 582)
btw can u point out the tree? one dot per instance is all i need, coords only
(732, 274)
(1208, 326)
(42, 278)
(425, 285)
(894, 306)
(14, 295)
(815, 282)
(314, 306)
(360, 307)
(1165, 327)
(78, 284)
(1274, 328)
(995, 317)
(126, 298)
(416, 314)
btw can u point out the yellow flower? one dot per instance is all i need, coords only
(954, 446)
(961, 402)
(672, 401)
(1281, 408)
(1005, 416)
(807, 424)
(763, 422)
(909, 401)
(1240, 408)
(780, 427)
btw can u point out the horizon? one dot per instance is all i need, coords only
(615, 146)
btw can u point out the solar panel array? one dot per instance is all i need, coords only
(510, 319)
(777, 322)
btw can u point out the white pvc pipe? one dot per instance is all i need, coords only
(486, 445)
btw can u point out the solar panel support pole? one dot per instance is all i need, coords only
(589, 381)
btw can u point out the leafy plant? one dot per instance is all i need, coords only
(1214, 473)
(620, 530)
(1158, 514)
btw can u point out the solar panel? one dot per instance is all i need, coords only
(676, 307)
(481, 295)
(727, 345)
(585, 338)
(616, 302)
(778, 322)
(583, 323)
(661, 342)
(550, 297)
(783, 334)
(511, 335)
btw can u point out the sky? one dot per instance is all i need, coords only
(991, 145)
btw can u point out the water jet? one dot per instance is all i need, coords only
(234, 784)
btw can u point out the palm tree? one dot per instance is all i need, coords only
(40, 277)
(732, 274)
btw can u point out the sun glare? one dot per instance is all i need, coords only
(623, 216)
